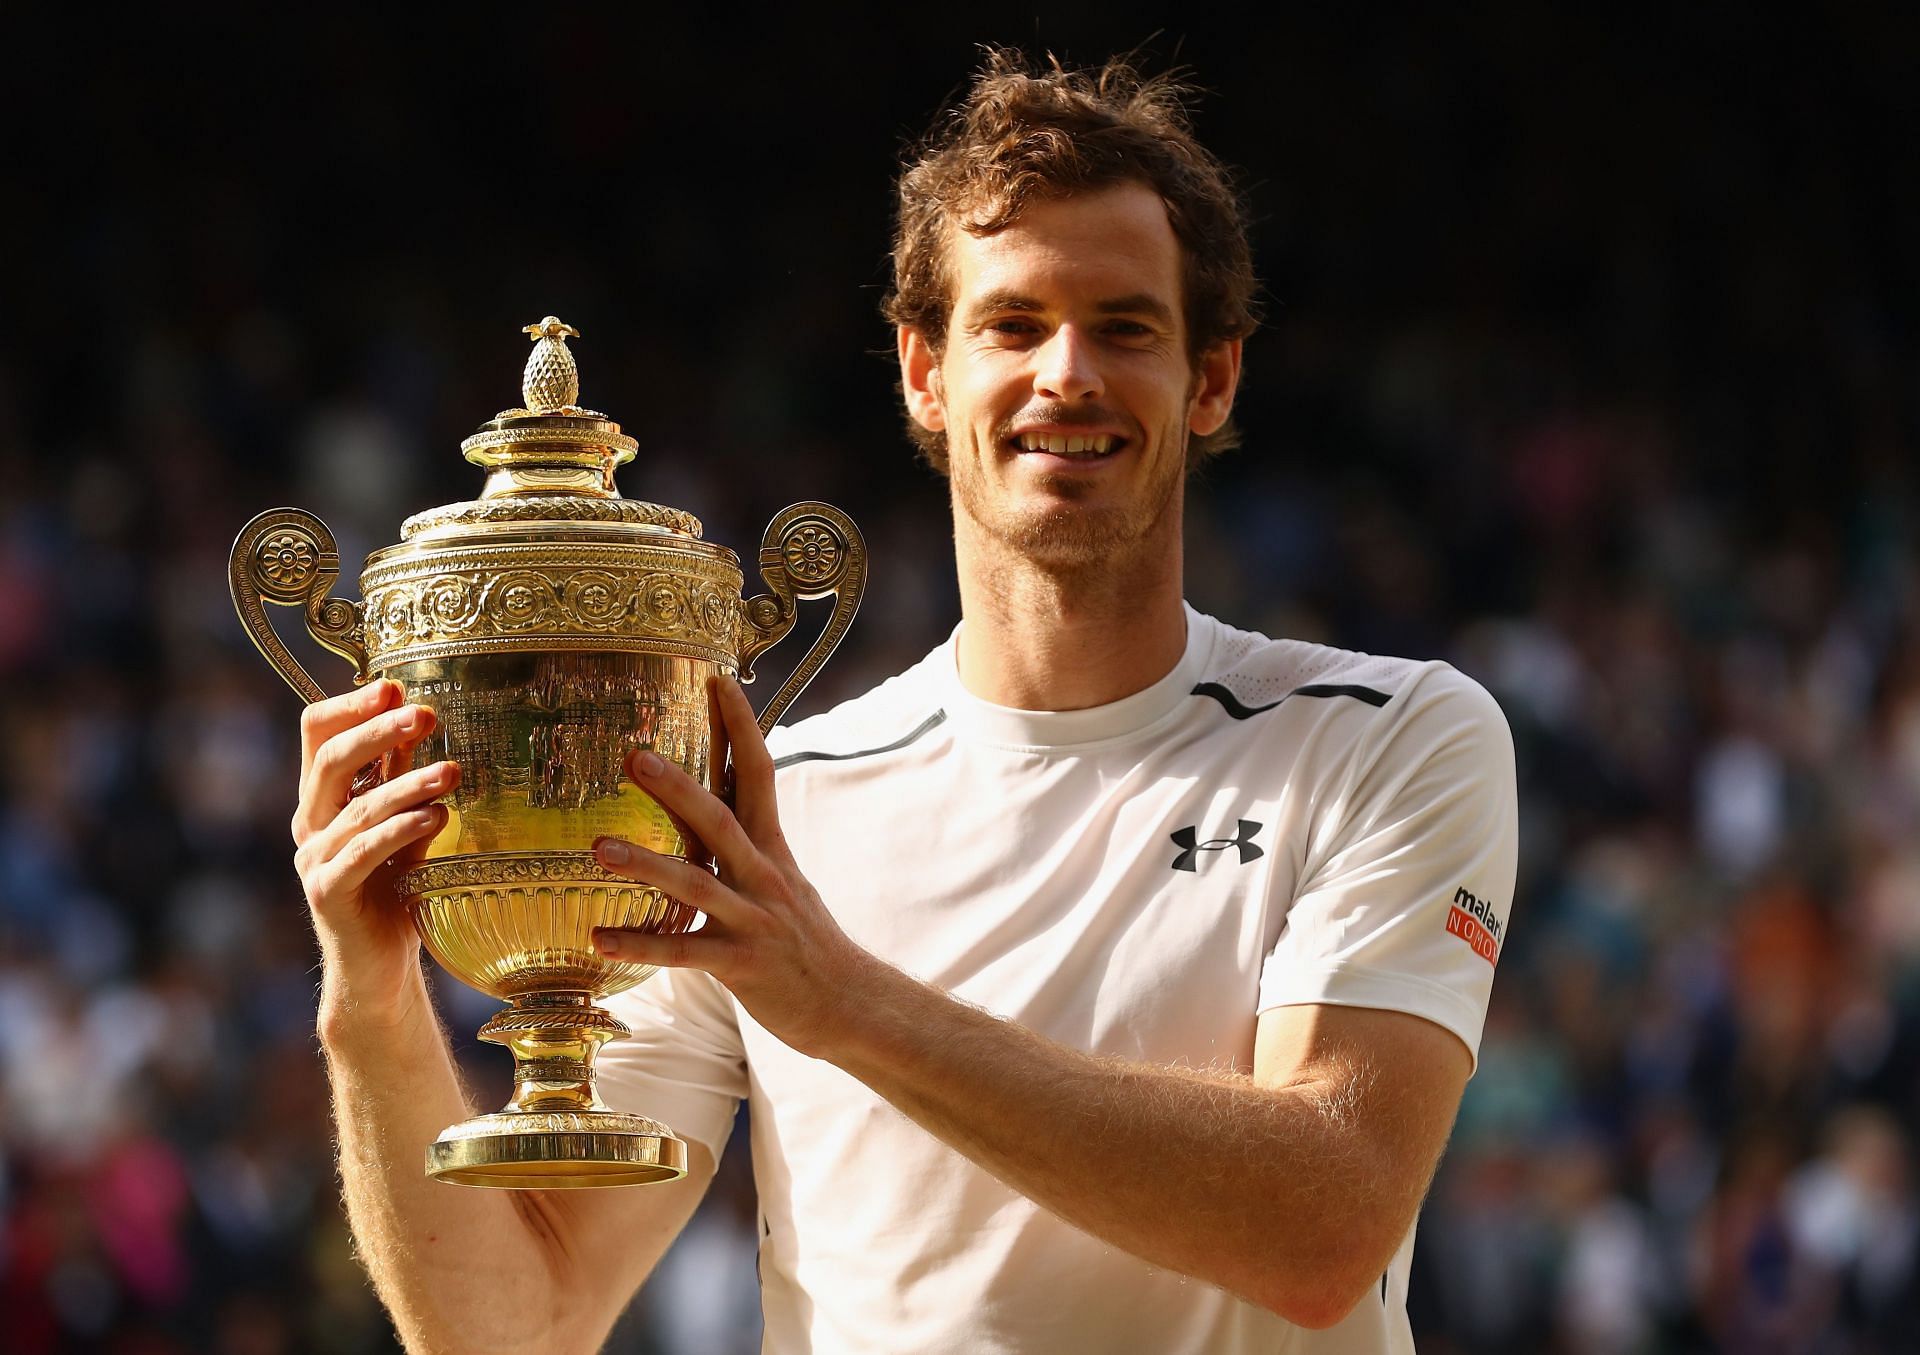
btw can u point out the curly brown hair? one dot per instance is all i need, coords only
(1021, 135)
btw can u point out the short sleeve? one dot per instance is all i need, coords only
(684, 1064)
(1408, 880)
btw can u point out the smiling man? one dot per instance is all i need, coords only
(1103, 982)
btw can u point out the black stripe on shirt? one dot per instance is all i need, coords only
(933, 720)
(1231, 703)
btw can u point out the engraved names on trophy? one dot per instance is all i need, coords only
(553, 733)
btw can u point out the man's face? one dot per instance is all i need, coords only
(1065, 389)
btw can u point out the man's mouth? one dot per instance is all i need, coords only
(1076, 446)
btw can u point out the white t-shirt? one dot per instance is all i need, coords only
(1272, 823)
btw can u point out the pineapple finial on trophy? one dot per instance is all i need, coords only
(551, 382)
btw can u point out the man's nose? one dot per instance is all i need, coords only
(1067, 369)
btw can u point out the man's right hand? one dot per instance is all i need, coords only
(350, 847)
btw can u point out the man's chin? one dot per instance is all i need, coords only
(1066, 538)
(1070, 531)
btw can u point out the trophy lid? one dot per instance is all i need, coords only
(548, 561)
(549, 459)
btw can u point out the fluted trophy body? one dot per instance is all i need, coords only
(554, 628)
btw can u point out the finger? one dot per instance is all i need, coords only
(704, 812)
(399, 758)
(678, 950)
(394, 797)
(345, 875)
(689, 884)
(329, 784)
(692, 848)
(345, 752)
(753, 796)
(720, 749)
(337, 714)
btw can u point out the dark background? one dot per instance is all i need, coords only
(1590, 364)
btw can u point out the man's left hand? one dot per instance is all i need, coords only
(767, 936)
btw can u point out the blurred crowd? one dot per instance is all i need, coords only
(1643, 462)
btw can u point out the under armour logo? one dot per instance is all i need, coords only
(1183, 838)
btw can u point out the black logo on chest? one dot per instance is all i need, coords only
(1190, 849)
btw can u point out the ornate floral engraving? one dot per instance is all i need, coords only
(520, 600)
(393, 622)
(812, 552)
(448, 604)
(595, 598)
(548, 601)
(718, 611)
(505, 868)
(336, 623)
(764, 612)
(287, 558)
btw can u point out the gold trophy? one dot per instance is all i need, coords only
(554, 627)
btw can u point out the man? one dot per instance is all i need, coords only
(1106, 982)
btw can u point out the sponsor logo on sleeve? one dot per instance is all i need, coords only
(1474, 921)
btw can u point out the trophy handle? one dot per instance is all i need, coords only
(809, 550)
(287, 556)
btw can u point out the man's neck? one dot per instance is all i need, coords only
(1035, 638)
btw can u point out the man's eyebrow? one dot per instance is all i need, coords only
(1135, 303)
(1002, 299)
(1139, 303)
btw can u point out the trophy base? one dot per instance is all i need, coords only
(546, 1150)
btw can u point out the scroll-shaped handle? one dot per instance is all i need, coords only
(287, 556)
(810, 550)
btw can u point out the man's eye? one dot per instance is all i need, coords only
(1013, 327)
(1127, 329)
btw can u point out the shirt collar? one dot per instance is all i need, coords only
(1075, 729)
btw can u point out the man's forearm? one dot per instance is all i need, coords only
(459, 1269)
(1294, 1190)
(1255, 1189)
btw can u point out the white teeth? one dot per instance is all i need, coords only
(1058, 444)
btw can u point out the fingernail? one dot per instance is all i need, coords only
(615, 852)
(605, 943)
(408, 720)
(649, 764)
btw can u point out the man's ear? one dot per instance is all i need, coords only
(1215, 380)
(920, 380)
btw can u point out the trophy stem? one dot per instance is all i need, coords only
(556, 1131)
(554, 1038)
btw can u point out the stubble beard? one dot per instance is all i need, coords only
(1069, 538)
